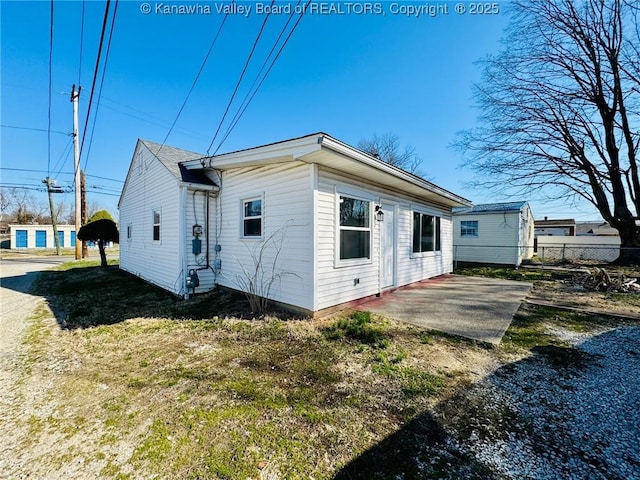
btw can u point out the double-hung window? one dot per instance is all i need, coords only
(156, 225)
(468, 228)
(354, 225)
(252, 218)
(426, 233)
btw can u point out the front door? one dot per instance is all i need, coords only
(387, 247)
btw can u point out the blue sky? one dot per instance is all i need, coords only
(350, 75)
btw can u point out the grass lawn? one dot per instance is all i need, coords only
(137, 384)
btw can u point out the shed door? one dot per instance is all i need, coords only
(387, 247)
(41, 238)
(21, 239)
(73, 239)
(61, 239)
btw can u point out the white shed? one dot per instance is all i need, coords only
(493, 233)
(326, 222)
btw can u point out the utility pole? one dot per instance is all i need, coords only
(51, 189)
(83, 209)
(75, 95)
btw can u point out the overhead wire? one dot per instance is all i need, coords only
(45, 130)
(50, 87)
(104, 70)
(95, 72)
(243, 106)
(81, 44)
(195, 81)
(62, 158)
(61, 173)
(246, 65)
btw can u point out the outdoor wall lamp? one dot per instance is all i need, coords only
(379, 214)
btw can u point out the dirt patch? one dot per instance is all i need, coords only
(566, 293)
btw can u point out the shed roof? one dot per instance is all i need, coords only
(491, 208)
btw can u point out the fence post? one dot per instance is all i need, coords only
(542, 259)
(564, 247)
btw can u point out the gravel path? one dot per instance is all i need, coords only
(16, 305)
(571, 417)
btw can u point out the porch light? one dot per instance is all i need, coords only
(379, 214)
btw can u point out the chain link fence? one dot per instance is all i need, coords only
(554, 255)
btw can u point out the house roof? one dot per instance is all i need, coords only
(490, 208)
(595, 228)
(565, 222)
(171, 158)
(326, 151)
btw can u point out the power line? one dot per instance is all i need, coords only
(195, 80)
(235, 90)
(60, 173)
(95, 72)
(36, 129)
(50, 84)
(104, 71)
(65, 152)
(81, 43)
(243, 106)
(242, 109)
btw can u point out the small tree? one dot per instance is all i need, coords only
(100, 229)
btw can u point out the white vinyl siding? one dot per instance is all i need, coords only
(336, 284)
(501, 237)
(152, 187)
(287, 223)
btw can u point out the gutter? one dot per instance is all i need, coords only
(347, 150)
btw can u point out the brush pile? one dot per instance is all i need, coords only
(599, 280)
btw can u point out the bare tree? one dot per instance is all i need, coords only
(23, 207)
(560, 109)
(387, 148)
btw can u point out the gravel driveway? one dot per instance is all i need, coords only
(16, 305)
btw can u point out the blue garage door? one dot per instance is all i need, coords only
(41, 238)
(61, 239)
(21, 239)
(73, 239)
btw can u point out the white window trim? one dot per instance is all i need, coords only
(338, 262)
(470, 236)
(130, 232)
(153, 224)
(430, 212)
(243, 218)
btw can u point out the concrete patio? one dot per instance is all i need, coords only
(473, 307)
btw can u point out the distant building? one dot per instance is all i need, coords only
(564, 227)
(493, 233)
(41, 236)
(599, 229)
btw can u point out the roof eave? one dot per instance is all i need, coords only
(358, 155)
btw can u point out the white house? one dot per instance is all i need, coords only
(41, 236)
(493, 233)
(330, 223)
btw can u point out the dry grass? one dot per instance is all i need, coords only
(135, 384)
